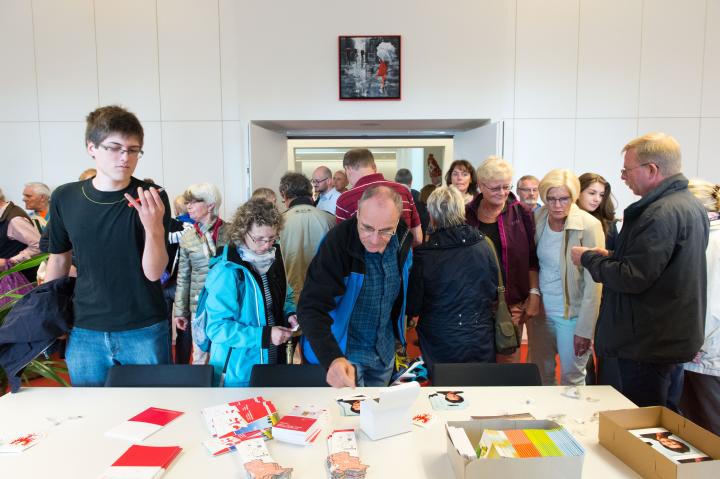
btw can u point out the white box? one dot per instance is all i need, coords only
(391, 414)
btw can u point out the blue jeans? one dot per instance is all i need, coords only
(548, 336)
(91, 353)
(375, 375)
(651, 384)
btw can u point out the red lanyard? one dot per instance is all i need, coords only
(215, 231)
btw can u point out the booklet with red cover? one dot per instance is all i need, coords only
(142, 425)
(142, 462)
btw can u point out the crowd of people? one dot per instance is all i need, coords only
(335, 276)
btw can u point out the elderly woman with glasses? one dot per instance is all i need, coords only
(456, 319)
(197, 245)
(508, 222)
(571, 299)
(250, 307)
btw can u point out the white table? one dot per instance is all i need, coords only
(77, 447)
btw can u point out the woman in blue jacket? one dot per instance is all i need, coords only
(250, 307)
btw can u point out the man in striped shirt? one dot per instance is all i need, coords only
(360, 169)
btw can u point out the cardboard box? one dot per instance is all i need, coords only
(646, 461)
(521, 468)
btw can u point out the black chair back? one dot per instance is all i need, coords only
(288, 375)
(160, 376)
(486, 374)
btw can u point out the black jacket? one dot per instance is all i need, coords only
(655, 282)
(332, 286)
(36, 320)
(453, 285)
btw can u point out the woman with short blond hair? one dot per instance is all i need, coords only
(497, 213)
(571, 298)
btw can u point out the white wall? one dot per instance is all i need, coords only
(573, 79)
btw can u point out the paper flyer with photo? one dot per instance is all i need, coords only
(350, 405)
(447, 400)
(669, 445)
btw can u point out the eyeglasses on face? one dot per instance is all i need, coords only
(366, 231)
(623, 171)
(317, 182)
(262, 241)
(562, 201)
(116, 150)
(499, 188)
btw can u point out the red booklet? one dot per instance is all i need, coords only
(142, 425)
(142, 462)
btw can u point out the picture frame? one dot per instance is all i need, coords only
(369, 67)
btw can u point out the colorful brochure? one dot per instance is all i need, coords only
(148, 422)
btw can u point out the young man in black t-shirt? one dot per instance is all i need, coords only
(116, 225)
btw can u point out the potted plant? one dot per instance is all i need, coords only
(41, 366)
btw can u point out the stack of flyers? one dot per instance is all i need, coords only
(142, 462)
(301, 425)
(20, 443)
(527, 443)
(142, 425)
(258, 463)
(350, 405)
(220, 445)
(447, 400)
(238, 417)
(343, 461)
(676, 449)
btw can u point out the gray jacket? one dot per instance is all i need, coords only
(193, 268)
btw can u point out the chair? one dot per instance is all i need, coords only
(288, 375)
(160, 376)
(486, 374)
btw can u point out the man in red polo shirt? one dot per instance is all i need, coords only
(361, 171)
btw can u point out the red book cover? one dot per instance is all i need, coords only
(148, 456)
(296, 423)
(156, 415)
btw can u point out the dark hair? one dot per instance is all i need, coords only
(403, 176)
(426, 191)
(463, 165)
(295, 185)
(108, 120)
(358, 158)
(454, 401)
(682, 447)
(605, 212)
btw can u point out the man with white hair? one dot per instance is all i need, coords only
(36, 196)
(652, 315)
(19, 240)
(352, 309)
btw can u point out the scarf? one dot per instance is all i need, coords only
(260, 262)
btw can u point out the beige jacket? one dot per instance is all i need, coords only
(193, 268)
(582, 294)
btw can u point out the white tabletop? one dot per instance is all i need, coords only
(77, 447)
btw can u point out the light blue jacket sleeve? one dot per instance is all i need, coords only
(290, 306)
(233, 312)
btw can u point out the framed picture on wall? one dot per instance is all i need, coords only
(369, 67)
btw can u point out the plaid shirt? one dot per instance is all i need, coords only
(371, 339)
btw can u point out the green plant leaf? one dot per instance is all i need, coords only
(48, 369)
(27, 264)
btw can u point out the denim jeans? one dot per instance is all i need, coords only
(651, 384)
(554, 335)
(376, 375)
(91, 353)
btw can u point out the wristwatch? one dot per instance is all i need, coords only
(535, 291)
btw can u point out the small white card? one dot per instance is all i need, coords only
(19, 444)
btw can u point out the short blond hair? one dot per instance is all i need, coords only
(557, 179)
(494, 168)
(446, 207)
(206, 192)
(257, 211)
(707, 193)
(659, 148)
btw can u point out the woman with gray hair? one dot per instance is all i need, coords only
(571, 298)
(250, 307)
(508, 222)
(456, 318)
(197, 245)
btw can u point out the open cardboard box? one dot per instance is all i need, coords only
(521, 468)
(645, 460)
